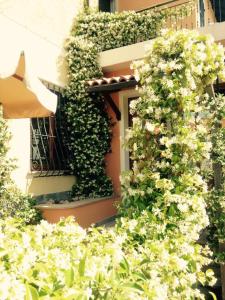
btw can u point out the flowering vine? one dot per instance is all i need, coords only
(85, 114)
(169, 137)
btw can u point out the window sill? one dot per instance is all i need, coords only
(50, 173)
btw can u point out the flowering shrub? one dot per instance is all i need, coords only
(64, 261)
(87, 121)
(108, 31)
(12, 202)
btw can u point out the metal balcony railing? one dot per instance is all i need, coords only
(197, 14)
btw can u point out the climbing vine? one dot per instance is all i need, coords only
(87, 121)
(169, 137)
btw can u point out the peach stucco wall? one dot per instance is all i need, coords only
(112, 159)
(85, 214)
(120, 72)
(137, 5)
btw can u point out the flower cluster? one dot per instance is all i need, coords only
(96, 264)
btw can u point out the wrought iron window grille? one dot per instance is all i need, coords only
(49, 155)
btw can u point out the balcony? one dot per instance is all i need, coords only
(200, 14)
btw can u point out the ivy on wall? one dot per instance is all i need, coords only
(87, 121)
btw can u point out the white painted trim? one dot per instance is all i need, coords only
(123, 104)
(118, 58)
(217, 30)
(75, 204)
(116, 5)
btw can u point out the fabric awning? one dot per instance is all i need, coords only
(22, 94)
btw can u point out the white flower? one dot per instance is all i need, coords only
(150, 127)
(183, 207)
(184, 92)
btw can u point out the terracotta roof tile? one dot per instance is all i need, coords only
(110, 80)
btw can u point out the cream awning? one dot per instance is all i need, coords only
(22, 94)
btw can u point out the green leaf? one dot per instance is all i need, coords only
(144, 261)
(31, 292)
(213, 295)
(172, 210)
(81, 297)
(69, 277)
(133, 286)
(125, 265)
(140, 275)
(81, 268)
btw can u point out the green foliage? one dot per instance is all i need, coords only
(169, 136)
(87, 120)
(169, 133)
(65, 262)
(12, 202)
(216, 196)
(108, 31)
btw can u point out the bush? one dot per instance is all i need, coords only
(65, 262)
(13, 203)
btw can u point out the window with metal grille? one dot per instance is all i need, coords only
(48, 152)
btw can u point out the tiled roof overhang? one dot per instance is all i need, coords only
(111, 84)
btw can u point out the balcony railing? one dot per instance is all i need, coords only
(189, 14)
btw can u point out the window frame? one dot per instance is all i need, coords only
(104, 8)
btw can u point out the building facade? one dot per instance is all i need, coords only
(36, 143)
(116, 63)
